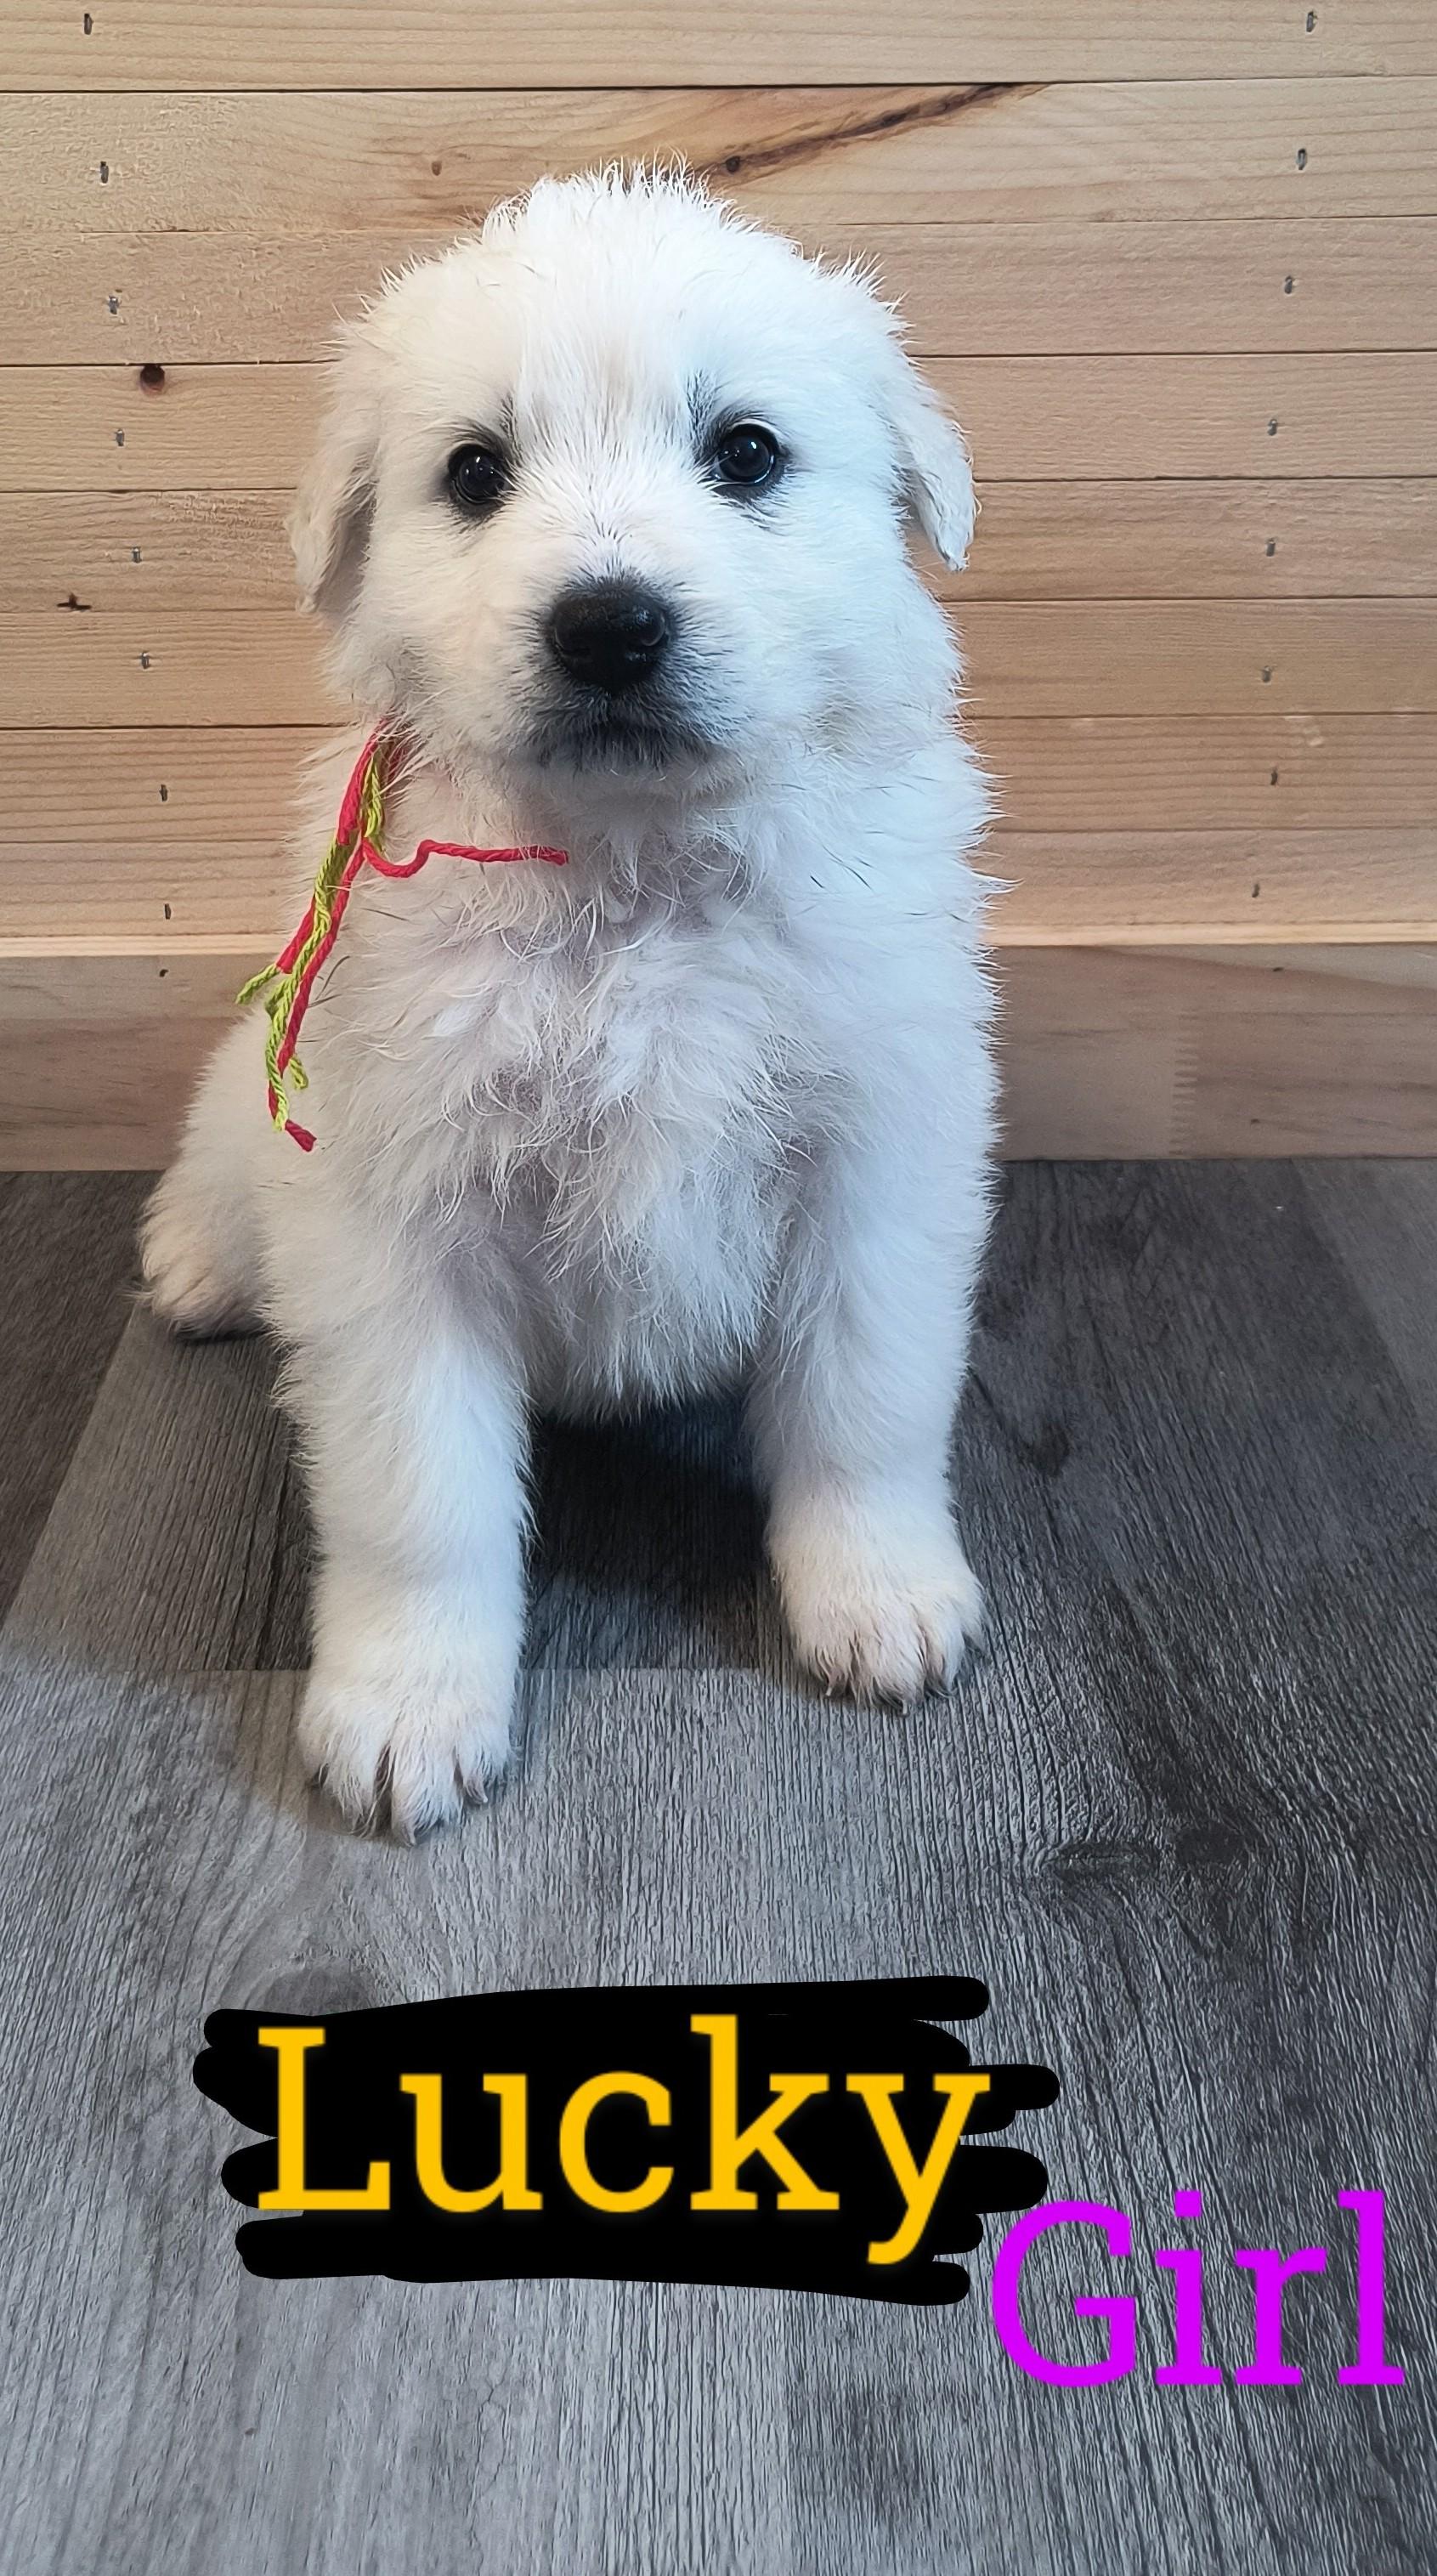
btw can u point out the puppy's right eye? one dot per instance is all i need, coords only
(478, 479)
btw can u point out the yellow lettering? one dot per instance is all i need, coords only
(511, 2190)
(920, 2186)
(574, 2141)
(731, 2148)
(291, 2191)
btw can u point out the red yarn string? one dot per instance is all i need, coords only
(365, 853)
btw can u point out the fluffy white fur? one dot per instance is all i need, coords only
(711, 1103)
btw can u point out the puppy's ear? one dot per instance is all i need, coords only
(329, 524)
(937, 473)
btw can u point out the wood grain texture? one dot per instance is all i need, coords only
(238, 428)
(980, 290)
(66, 1260)
(98, 1055)
(1199, 773)
(1352, 536)
(104, 896)
(166, 788)
(1179, 1815)
(223, 1459)
(147, 550)
(1237, 887)
(1193, 1051)
(1204, 657)
(98, 429)
(165, 45)
(1169, 1048)
(155, 785)
(1095, 657)
(1174, 275)
(1377, 1218)
(336, 160)
(176, 895)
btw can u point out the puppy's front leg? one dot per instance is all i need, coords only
(415, 1439)
(852, 1411)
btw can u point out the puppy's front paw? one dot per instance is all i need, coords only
(404, 1741)
(882, 1603)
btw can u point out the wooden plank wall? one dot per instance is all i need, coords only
(1176, 269)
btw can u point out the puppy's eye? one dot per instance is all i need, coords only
(478, 479)
(747, 458)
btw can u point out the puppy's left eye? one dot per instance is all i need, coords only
(747, 458)
(477, 478)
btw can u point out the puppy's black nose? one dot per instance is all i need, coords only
(609, 634)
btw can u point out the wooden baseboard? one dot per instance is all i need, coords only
(1132, 1050)
(1323, 1049)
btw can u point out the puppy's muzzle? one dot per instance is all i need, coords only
(609, 635)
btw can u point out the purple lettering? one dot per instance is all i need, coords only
(1372, 2370)
(1187, 2369)
(1117, 2361)
(1270, 2270)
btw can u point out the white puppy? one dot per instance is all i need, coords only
(609, 517)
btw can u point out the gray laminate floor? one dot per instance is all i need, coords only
(1180, 1816)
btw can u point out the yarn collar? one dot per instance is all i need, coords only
(357, 843)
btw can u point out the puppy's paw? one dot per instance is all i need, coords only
(406, 1714)
(882, 1603)
(194, 1273)
(402, 1754)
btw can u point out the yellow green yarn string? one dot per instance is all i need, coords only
(288, 983)
(285, 984)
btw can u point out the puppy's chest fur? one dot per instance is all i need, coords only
(622, 1106)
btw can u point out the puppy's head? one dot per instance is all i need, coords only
(620, 487)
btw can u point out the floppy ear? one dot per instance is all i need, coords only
(329, 524)
(937, 473)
